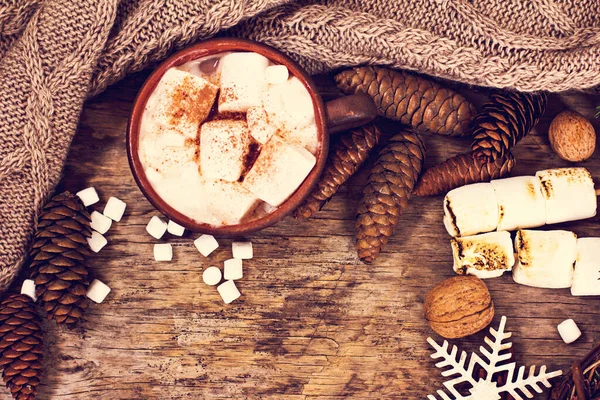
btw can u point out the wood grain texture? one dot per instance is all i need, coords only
(312, 322)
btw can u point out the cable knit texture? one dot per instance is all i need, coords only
(54, 54)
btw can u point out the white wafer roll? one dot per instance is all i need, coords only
(224, 145)
(586, 280)
(520, 203)
(545, 258)
(471, 209)
(569, 194)
(487, 255)
(242, 81)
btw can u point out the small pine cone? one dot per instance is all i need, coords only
(387, 192)
(347, 155)
(21, 346)
(58, 258)
(505, 120)
(462, 170)
(423, 104)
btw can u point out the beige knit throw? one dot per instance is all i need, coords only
(56, 53)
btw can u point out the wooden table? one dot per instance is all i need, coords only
(312, 322)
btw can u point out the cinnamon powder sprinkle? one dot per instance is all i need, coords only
(190, 103)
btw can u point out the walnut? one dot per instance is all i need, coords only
(572, 136)
(459, 307)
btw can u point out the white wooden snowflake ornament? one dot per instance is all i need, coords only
(486, 388)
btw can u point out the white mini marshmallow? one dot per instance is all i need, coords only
(278, 171)
(276, 74)
(97, 241)
(545, 258)
(163, 252)
(211, 276)
(175, 229)
(97, 291)
(569, 331)
(233, 269)
(156, 227)
(242, 250)
(521, 204)
(224, 145)
(228, 291)
(88, 196)
(471, 209)
(586, 280)
(289, 105)
(569, 193)
(242, 81)
(114, 209)
(28, 289)
(100, 223)
(206, 244)
(307, 137)
(258, 124)
(487, 255)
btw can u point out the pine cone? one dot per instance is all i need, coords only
(347, 155)
(505, 120)
(423, 104)
(21, 346)
(387, 192)
(462, 170)
(58, 258)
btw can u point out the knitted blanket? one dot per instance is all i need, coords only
(56, 53)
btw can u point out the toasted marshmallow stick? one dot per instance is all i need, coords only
(471, 209)
(569, 194)
(242, 81)
(485, 256)
(520, 203)
(545, 258)
(586, 280)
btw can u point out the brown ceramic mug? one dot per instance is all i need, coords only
(337, 115)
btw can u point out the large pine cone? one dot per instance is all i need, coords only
(58, 258)
(21, 346)
(505, 120)
(412, 100)
(348, 153)
(387, 192)
(462, 170)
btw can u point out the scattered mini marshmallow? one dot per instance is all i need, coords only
(586, 279)
(97, 291)
(28, 289)
(156, 227)
(568, 330)
(224, 145)
(114, 209)
(242, 250)
(163, 252)
(206, 244)
(211, 276)
(97, 241)
(242, 88)
(228, 291)
(233, 269)
(471, 209)
(487, 255)
(88, 196)
(175, 229)
(100, 223)
(276, 74)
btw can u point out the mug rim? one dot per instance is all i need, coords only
(207, 48)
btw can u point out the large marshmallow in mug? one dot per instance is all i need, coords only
(289, 105)
(260, 128)
(520, 203)
(223, 148)
(586, 280)
(307, 137)
(278, 171)
(487, 255)
(181, 101)
(545, 258)
(242, 81)
(471, 209)
(228, 202)
(569, 194)
(165, 150)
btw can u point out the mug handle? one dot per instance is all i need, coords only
(349, 112)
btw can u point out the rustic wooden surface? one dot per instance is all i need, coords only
(312, 322)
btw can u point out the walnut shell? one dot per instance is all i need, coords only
(572, 136)
(459, 307)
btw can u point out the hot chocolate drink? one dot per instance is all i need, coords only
(227, 139)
